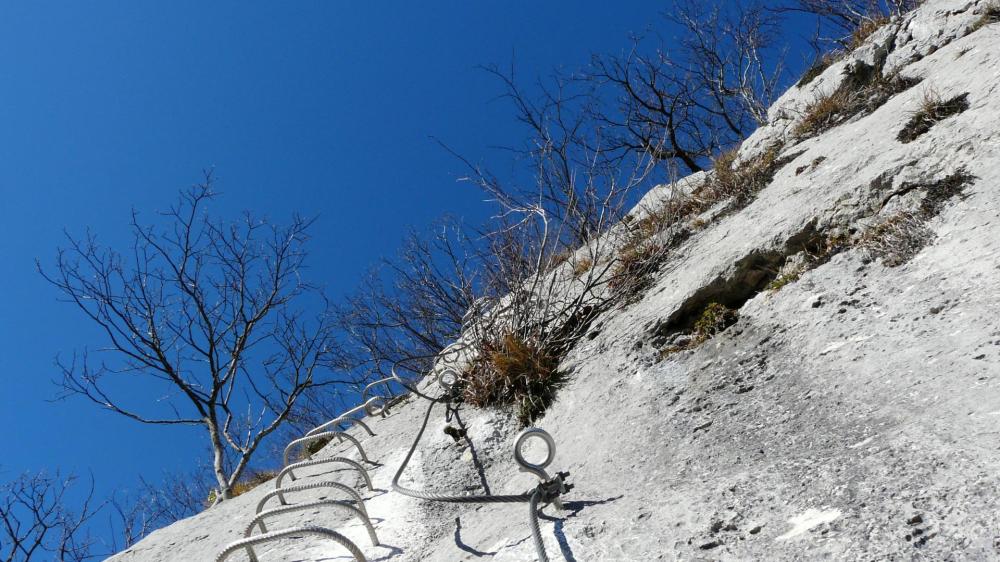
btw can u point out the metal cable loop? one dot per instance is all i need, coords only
(291, 532)
(320, 436)
(288, 469)
(280, 493)
(258, 520)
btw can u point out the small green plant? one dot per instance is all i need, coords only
(932, 110)
(714, 319)
(783, 280)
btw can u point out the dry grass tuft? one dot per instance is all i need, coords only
(638, 260)
(245, 485)
(990, 15)
(582, 265)
(823, 113)
(895, 240)
(865, 30)
(932, 110)
(863, 91)
(514, 372)
(818, 66)
(899, 238)
(741, 181)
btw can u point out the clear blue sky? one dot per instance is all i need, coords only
(322, 107)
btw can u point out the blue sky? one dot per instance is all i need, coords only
(325, 108)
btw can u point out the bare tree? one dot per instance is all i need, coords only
(37, 521)
(842, 18)
(706, 93)
(205, 317)
(133, 514)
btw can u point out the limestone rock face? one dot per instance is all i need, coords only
(851, 413)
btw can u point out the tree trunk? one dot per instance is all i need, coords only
(225, 490)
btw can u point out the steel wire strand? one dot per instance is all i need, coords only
(444, 497)
(536, 533)
(291, 532)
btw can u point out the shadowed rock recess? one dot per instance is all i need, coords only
(849, 409)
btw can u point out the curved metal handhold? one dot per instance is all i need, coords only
(288, 469)
(385, 399)
(248, 543)
(340, 418)
(320, 436)
(258, 520)
(280, 493)
(382, 409)
(355, 421)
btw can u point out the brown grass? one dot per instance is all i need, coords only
(818, 66)
(638, 260)
(515, 372)
(245, 485)
(823, 113)
(741, 181)
(863, 92)
(932, 110)
(865, 30)
(990, 15)
(582, 265)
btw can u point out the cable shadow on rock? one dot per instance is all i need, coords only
(393, 552)
(475, 456)
(558, 523)
(462, 546)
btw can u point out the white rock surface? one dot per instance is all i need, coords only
(852, 415)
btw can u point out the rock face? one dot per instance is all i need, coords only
(852, 412)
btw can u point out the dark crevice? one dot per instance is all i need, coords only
(751, 275)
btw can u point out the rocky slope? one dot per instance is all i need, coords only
(851, 413)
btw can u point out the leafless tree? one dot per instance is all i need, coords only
(132, 514)
(204, 316)
(705, 92)
(37, 521)
(844, 17)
